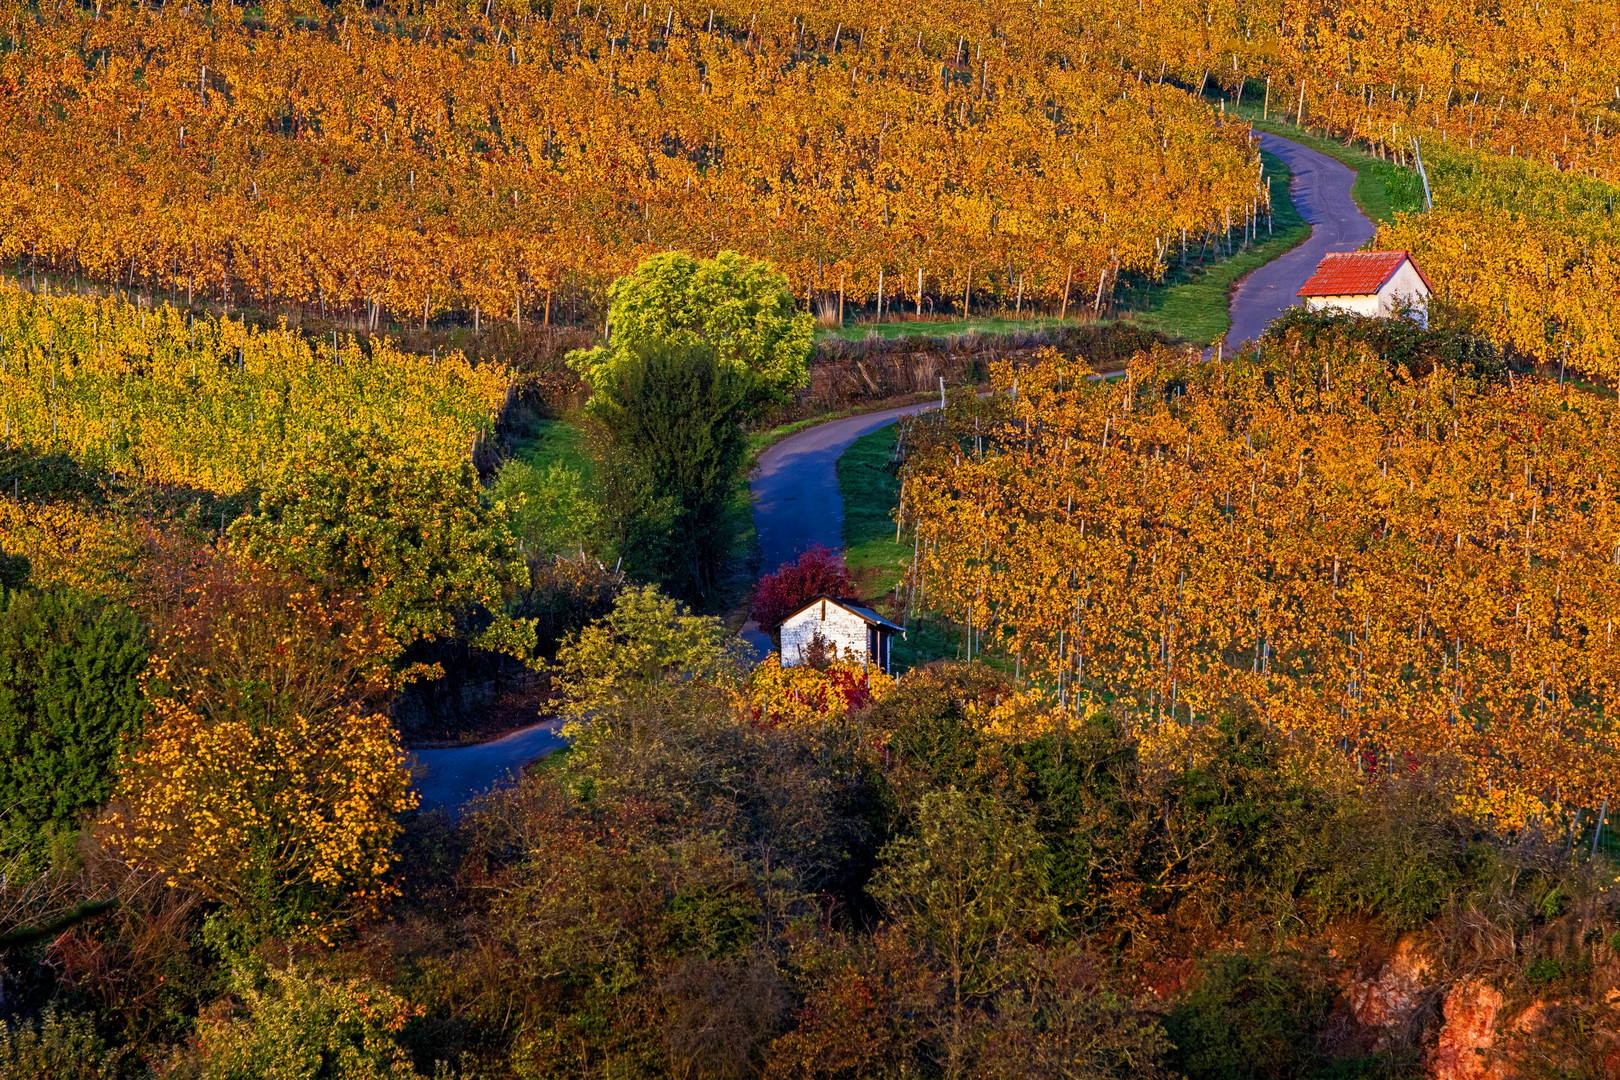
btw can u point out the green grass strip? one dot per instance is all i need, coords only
(1382, 189)
(870, 488)
(889, 331)
(1195, 304)
(1188, 304)
(868, 482)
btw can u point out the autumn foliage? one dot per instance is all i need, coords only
(1528, 255)
(818, 571)
(1515, 108)
(1420, 572)
(510, 160)
(1530, 78)
(268, 777)
(216, 403)
(805, 693)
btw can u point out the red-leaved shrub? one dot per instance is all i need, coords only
(818, 571)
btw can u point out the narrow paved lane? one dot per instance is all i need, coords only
(795, 488)
(449, 777)
(796, 499)
(1321, 192)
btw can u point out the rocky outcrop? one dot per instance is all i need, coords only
(1398, 991)
(1401, 1000)
(1468, 1032)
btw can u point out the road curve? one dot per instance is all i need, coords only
(796, 498)
(448, 778)
(1321, 192)
(795, 487)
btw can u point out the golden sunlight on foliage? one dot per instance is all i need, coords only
(269, 776)
(806, 693)
(1528, 255)
(67, 546)
(646, 644)
(215, 403)
(1417, 571)
(1532, 78)
(484, 158)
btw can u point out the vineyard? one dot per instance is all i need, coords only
(510, 163)
(1513, 109)
(214, 403)
(1419, 571)
(1530, 78)
(1529, 255)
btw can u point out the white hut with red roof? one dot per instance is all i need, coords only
(1373, 283)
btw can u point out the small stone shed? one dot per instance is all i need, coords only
(844, 625)
(1372, 283)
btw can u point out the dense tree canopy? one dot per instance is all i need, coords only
(70, 695)
(742, 308)
(671, 460)
(359, 514)
(268, 777)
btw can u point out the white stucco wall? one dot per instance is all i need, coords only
(844, 629)
(1356, 305)
(1404, 287)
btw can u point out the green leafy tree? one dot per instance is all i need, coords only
(431, 557)
(552, 510)
(648, 641)
(742, 307)
(301, 1026)
(70, 693)
(671, 464)
(970, 880)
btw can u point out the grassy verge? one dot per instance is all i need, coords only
(552, 442)
(1189, 304)
(1194, 304)
(871, 491)
(870, 488)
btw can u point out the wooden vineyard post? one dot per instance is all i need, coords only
(1299, 112)
(840, 301)
(1265, 112)
(1063, 312)
(1096, 307)
(1018, 307)
(919, 292)
(548, 307)
(880, 295)
(967, 293)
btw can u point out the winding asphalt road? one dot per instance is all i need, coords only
(796, 500)
(795, 488)
(448, 778)
(1321, 192)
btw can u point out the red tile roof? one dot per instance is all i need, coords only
(1356, 273)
